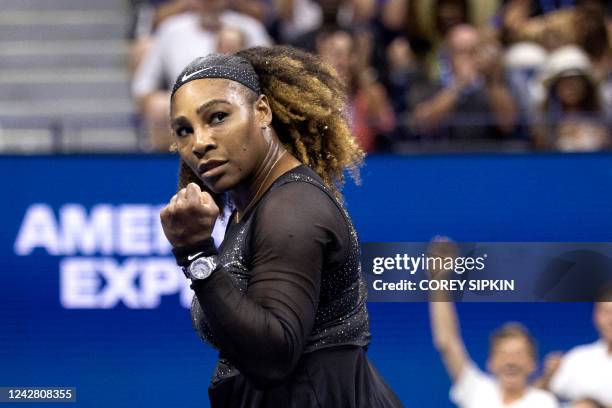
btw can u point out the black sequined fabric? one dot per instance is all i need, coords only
(341, 317)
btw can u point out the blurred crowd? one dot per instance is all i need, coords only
(578, 378)
(458, 74)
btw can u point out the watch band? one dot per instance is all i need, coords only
(186, 254)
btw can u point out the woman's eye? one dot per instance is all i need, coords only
(218, 117)
(182, 131)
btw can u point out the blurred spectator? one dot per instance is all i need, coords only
(336, 48)
(370, 112)
(542, 21)
(178, 40)
(573, 118)
(358, 14)
(512, 354)
(230, 40)
(329, 22)
(435, 18)
(295, 18)
(404, 75)
(473, 103)
(394, 15)
(449, 14)
(373, 119)
(148, 15)
(587, 403)
(524, 62)
(428, 23)
(424, 70)
(586, 371)
(261, 10)
(169, 8)
(585, 23)
(593, 36)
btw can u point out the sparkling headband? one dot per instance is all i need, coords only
(220, 66)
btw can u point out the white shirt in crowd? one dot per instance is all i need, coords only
(475, 389)
(306, 16)
(181, 39)
(585, 372)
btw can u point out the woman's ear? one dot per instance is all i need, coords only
(263, 111)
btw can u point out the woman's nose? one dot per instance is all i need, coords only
(203, 142)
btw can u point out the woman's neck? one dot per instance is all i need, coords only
(510, 396)
(276, 162)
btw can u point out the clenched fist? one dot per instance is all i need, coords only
(189, 217)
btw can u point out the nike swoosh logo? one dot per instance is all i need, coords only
(192, 257)
(187, 76)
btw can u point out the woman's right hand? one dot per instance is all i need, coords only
(190, 216)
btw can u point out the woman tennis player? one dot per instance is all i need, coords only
(283, 298)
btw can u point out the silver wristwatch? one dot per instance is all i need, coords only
(201, 268)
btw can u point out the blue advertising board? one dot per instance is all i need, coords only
(90, 296)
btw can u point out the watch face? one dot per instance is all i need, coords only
(202, 268)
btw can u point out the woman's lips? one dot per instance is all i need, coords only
(211, 168)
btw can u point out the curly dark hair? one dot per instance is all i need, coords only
(307, 99)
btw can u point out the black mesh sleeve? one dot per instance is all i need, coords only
(297, 230)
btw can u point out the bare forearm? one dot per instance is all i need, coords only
(431, 113)
(444, 325)
(446, 334)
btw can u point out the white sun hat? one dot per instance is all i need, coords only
(525, 54)
(566, 61)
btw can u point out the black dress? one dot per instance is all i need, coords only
(286, 309)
